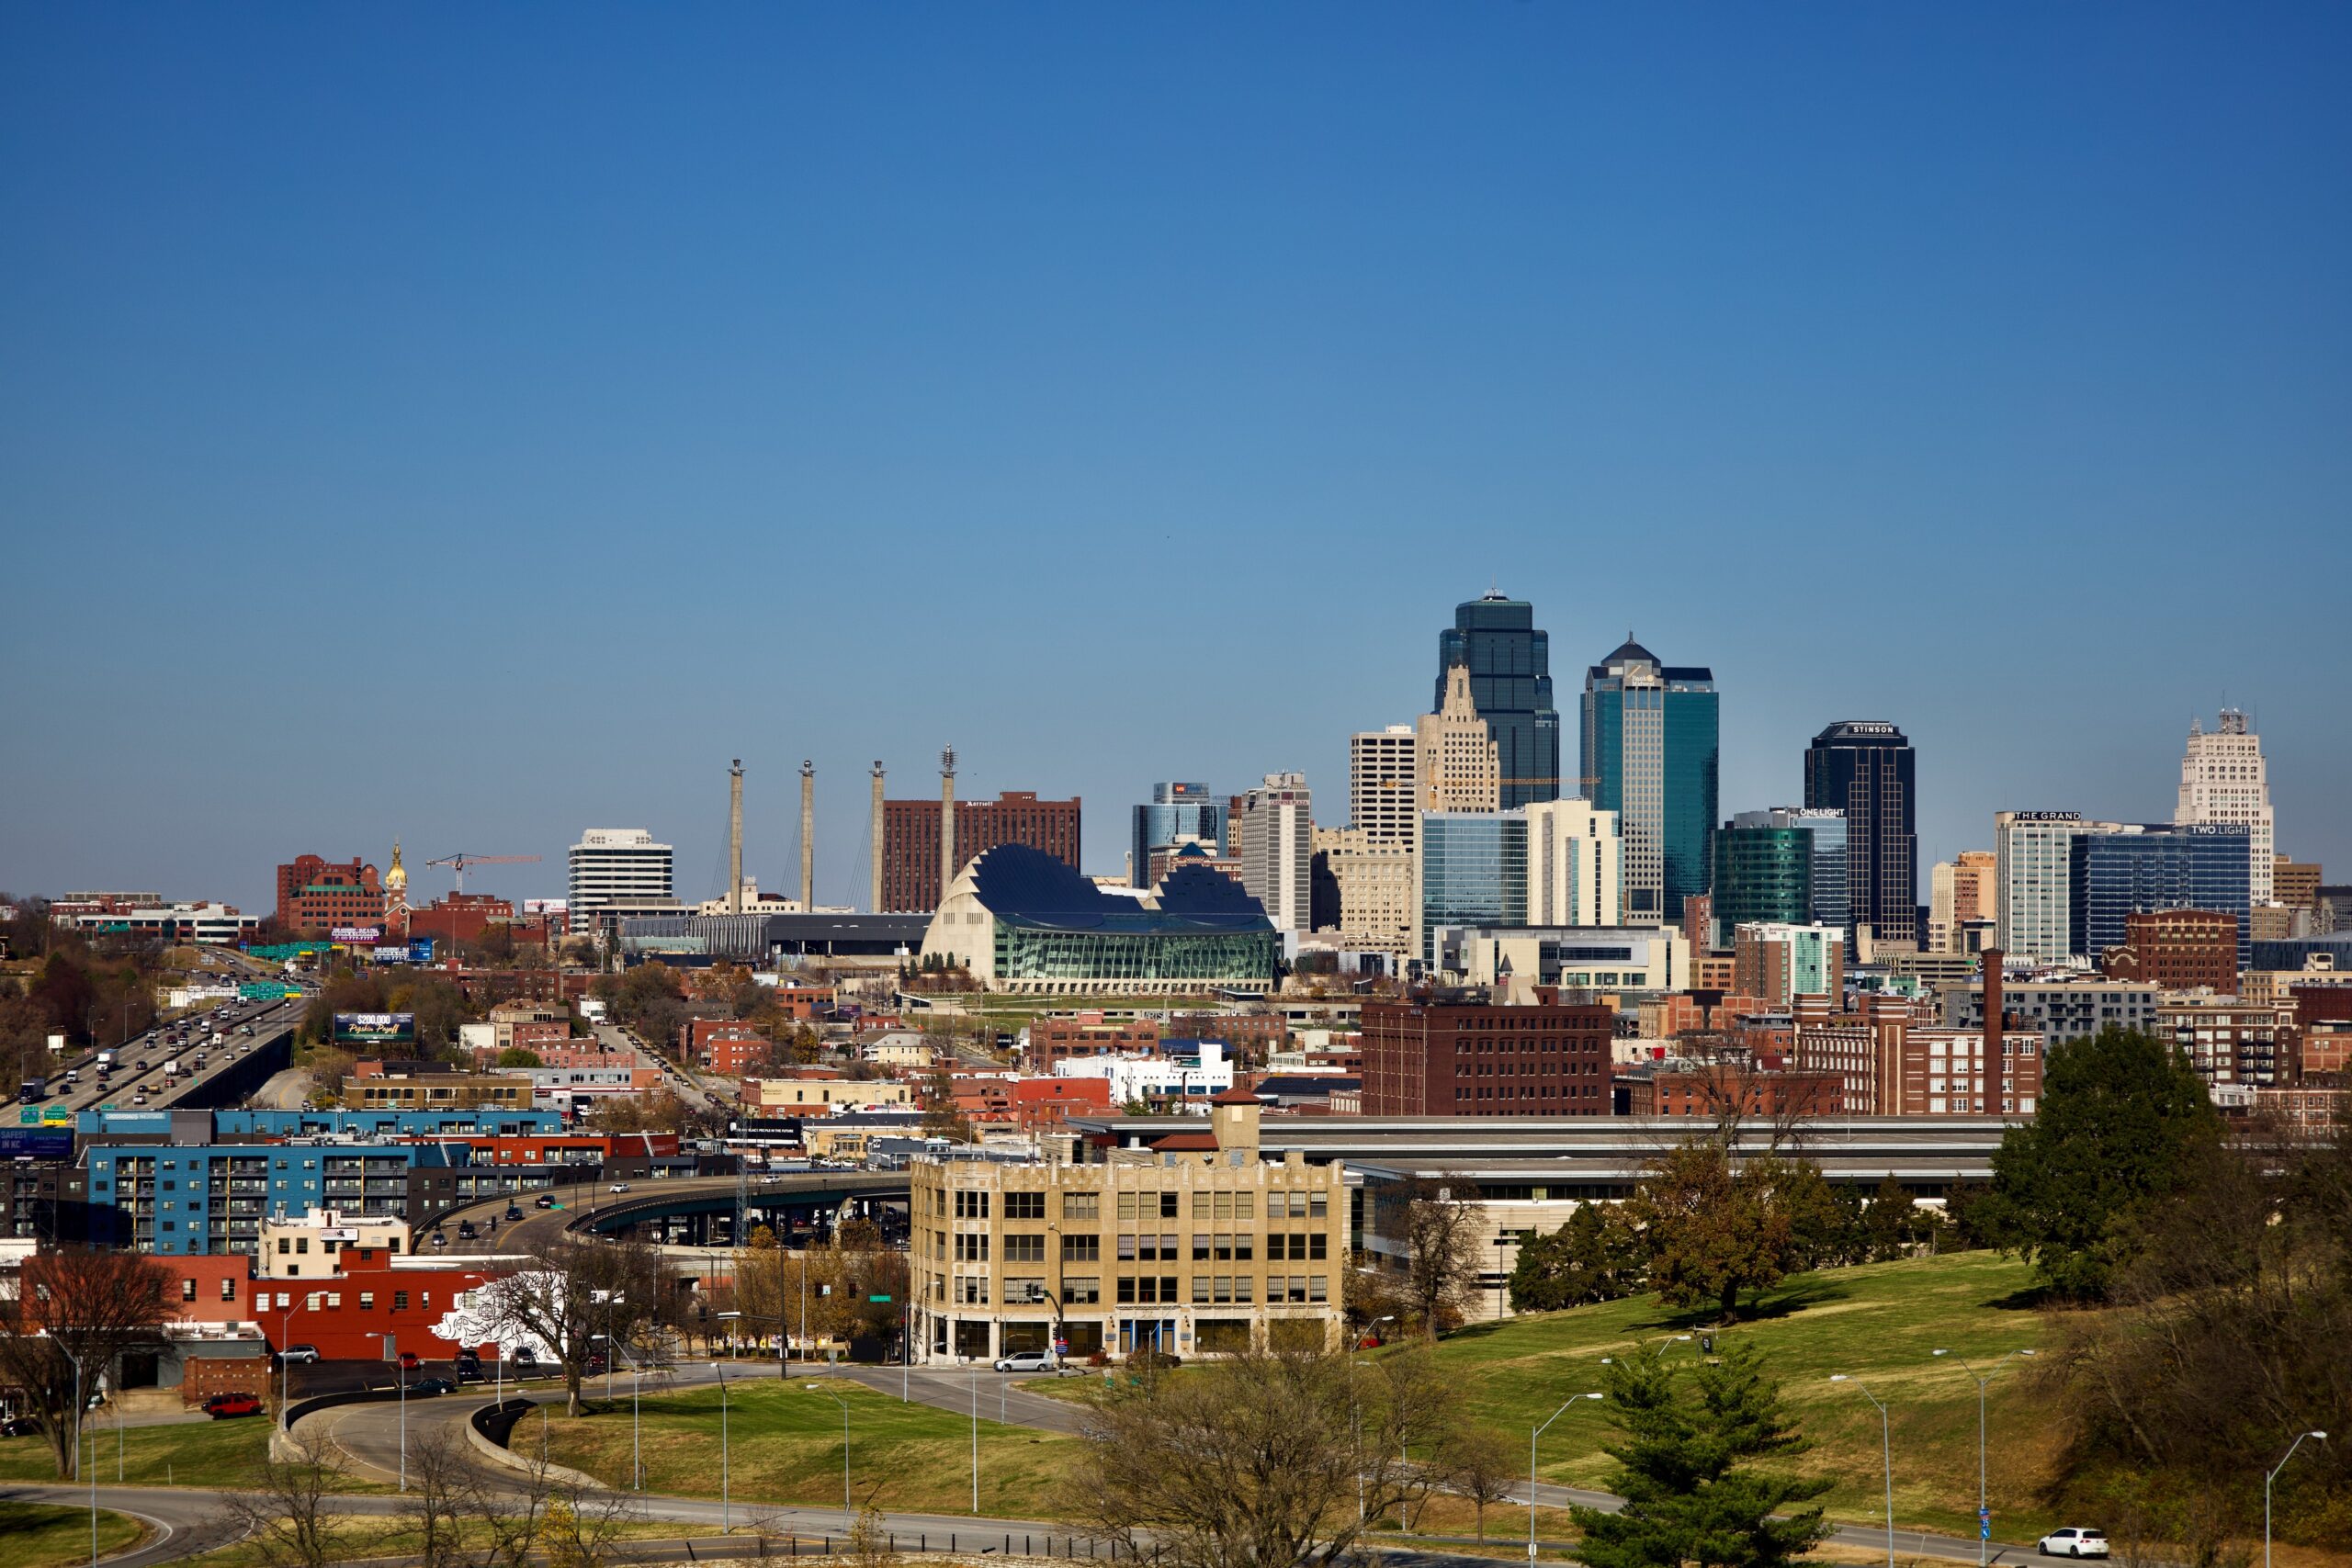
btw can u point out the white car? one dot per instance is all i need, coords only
(2072, 1541)
(1026, 1362)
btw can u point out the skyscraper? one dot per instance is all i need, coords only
(1960, 891)
(2033, 877)
(1380, 786)
(1457, 762)
(1647, 752)
(2140, 870)
(1763, 876)
(2224, 780)
(1510, 683)
(1278, 849)
(1176, 812)
(1473, 873)
(1863, 767)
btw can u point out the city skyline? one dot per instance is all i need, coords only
(867, 405)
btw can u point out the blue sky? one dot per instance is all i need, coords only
(471, 424)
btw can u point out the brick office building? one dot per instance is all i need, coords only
(1442, 1057)
(316, 895)
(1066, 1037)
(2181, 950)
(910, 839)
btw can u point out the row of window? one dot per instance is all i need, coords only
(1206, 1206)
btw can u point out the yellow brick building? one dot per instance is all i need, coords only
(1198, 1246)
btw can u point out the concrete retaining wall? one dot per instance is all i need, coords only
(489, 1428)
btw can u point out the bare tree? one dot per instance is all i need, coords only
(869, 1540)
(1440, 1233)
(1270, 1458)
(581, 1527)
(1479, 1463)
(572, 1297)
(286, 1519)
(440, 1476)
(76, 1309)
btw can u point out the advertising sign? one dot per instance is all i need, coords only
(421, 950)
(357, 933)
(16, 1143)
(375, 1028)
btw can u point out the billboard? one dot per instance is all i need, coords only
(546, 905)
(357, 933)
(420, 949)
(21, 1143)
(375, 1028)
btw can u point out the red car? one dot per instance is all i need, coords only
(409, 1361)
(224, 1405)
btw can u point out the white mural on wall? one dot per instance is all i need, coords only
(478, 1320)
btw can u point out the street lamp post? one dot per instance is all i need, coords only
(78, 1410)
(1984, 1513)
(1531, 1437)
(400, 1373)
(286, 1367)
(724, 1526)
(1886, 1455)
(636, 1447)
(2267, 1478)
(842, 1400)
(976, 1438)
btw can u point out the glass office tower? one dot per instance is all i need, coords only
(1511, 680)
(1176, 812)
(1473, 871)
(1647, 751)
(1763, 873)
(2139, 869)
(1864, 768)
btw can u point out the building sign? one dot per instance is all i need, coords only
(2045, 816)
(357, 933)
(375, 1028)
(18, 1144)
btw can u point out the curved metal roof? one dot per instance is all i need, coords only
(1030, 888)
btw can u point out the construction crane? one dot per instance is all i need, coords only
(461, 860)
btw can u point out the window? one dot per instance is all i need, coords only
(1168, 1205)
(228, 1288)
(187, 1289)
(1081, 1205)
(1242, 1287)
(367, 1301)
(1024, 1205)
(1081, 1248)
(1025, 1249)
(1081, 1292)
(1317, 1205)
(971, 1205)
(1126, 1249)
(1126, 1205)
(1200, 1246)
(399, 1301)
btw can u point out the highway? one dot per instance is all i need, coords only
(133, 1086)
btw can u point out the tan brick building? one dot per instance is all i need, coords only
(1197, 1246)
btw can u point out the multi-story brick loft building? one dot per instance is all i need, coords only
(316, 895)
(2181, 950)
(910, 839)
(1062, 1037)
(1195, 1247)
(1466, 1056)
(2231, 1042)
(2058, 1009)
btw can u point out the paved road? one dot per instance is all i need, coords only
(127, 1084)
(289, 1090)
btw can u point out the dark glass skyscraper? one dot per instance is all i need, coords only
(2201, 867)
(1863, 768)
(1511, 682)
(1649, 752)
(1763, 873)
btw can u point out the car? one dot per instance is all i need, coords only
(141, 1064)
(1026, 1362)
(440, 1238)
(299, 1353)
(524, 1358)
(428, 1387)
(512, 1214)
(466, 1230)
(19, 1427)
(222, 1406)
(619, 1187)
(2072, 1541)
(411, 1360)
(595, 1365)
(544, 1201)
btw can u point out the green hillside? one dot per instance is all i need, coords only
(1878, 1322)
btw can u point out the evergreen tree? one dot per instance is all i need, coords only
(1687, 1466)
(2121, 1120)
(1593, 1258)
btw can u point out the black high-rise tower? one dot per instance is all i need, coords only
(1863, 768)
(1510, 680)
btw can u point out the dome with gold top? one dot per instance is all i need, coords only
(396, 879)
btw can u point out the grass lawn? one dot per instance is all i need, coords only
(40, 1536)
(216, 1453)
(785, 1446)
(1878, 1324)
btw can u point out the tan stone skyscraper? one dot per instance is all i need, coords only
(1456, 764)
(2223, 780)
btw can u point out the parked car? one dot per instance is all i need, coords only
(411, 1360)
(19, 1427)
(526, 1360)
(222, 1406)
(470, 1371)
(1026, 1362)
(2074, 1542)
(594, 1366)
(428, 1387)
(299, 1353)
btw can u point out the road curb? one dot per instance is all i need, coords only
(502, 1417)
